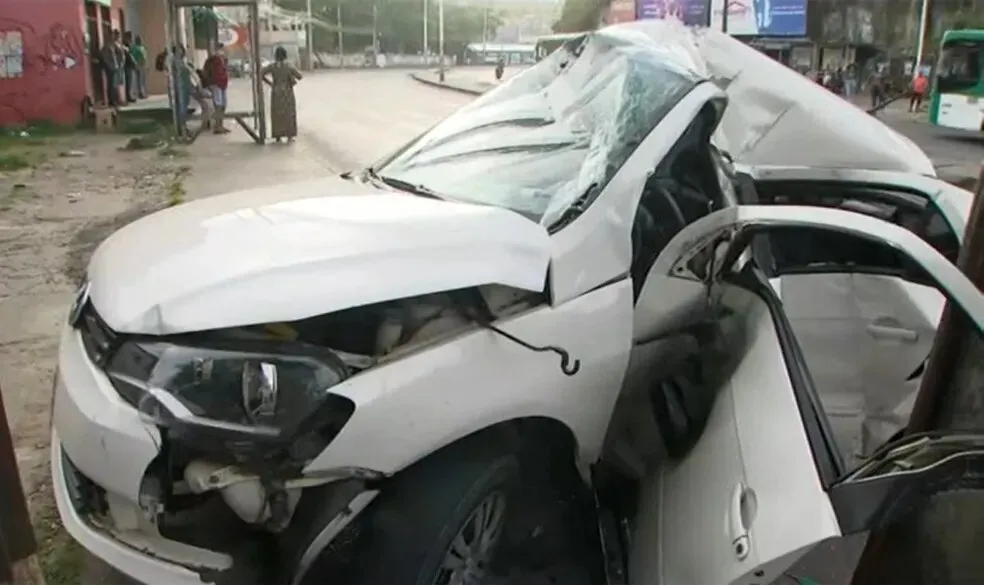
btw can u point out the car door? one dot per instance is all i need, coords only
(752, 495)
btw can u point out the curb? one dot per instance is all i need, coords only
(446, 86)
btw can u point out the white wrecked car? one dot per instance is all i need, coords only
(563, 285)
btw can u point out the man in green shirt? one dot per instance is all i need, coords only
(138, 51)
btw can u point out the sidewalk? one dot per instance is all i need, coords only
(469, 80)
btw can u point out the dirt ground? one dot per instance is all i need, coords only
(60, 195)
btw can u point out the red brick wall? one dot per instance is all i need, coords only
(52, 81)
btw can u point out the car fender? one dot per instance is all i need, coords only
(417, 404)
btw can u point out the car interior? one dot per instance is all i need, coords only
(864, 315)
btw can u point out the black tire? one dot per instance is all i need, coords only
(409, 528)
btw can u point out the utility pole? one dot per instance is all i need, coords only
(375, 34)
(924, 25)
(341, 36)
(426, 45)
(18, 545)
(485, 31)
(940, 541)
(309, 28)
(440, 38)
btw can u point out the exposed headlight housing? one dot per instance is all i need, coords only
(246, 398)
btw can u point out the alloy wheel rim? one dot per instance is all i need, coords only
(466, 562)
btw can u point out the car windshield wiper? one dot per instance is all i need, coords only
(402, 185)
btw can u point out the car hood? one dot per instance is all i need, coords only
(294, 251)
(776, 116)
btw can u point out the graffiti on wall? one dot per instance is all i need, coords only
(24, 49)
(41, 73)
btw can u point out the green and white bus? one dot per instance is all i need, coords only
(957, 90)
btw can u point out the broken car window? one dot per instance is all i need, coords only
(553, 133)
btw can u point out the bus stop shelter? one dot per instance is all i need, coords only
(253, 119)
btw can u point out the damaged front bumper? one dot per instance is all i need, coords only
(104, 463)
(137, 554)
(94, 430)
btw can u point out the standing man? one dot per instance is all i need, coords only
(138, 52)
(129, 69)
(919, 86)
(112, 64)
(877, 89)
(216, 70)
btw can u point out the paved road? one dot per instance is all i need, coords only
(354, 117)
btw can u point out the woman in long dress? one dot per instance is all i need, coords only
(282, 77)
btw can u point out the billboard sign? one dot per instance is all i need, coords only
(621, 11)
(768, 18)
(690, 12)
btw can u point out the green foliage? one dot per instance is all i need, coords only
(399, 24)
(957, 19)
(205, 25)
(579, 15)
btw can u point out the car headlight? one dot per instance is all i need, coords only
(244, 399)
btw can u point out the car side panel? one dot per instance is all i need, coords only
(417, 404)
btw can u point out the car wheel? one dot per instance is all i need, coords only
(440, 523)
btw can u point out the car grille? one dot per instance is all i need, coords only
(86, 497)
(99, 340)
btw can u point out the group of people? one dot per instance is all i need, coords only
(208, 88)
(840, 80)
(881, 90)
(123, 61)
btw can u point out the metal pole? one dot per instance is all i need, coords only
(485, 32)
(724, 16)
(310, 37)
(921, 41)
(341, 39)
(440, 37)
(426, 45)
(19, 543)
(375, 34)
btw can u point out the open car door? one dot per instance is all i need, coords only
(857, 300)
(763, 480)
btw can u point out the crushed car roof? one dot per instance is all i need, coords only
(775, 116)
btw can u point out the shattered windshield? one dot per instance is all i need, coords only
(553, 135)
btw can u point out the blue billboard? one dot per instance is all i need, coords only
(767, 18)
(690, 12)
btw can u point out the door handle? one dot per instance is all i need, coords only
(740, 542)
(892, 333)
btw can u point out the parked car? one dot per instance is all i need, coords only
(604, 276)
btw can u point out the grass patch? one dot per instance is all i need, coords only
(62, 559)
(14, 161)
(25, 148)
(176, 191)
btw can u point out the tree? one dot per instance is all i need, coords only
(399, 24)
(580, 15)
